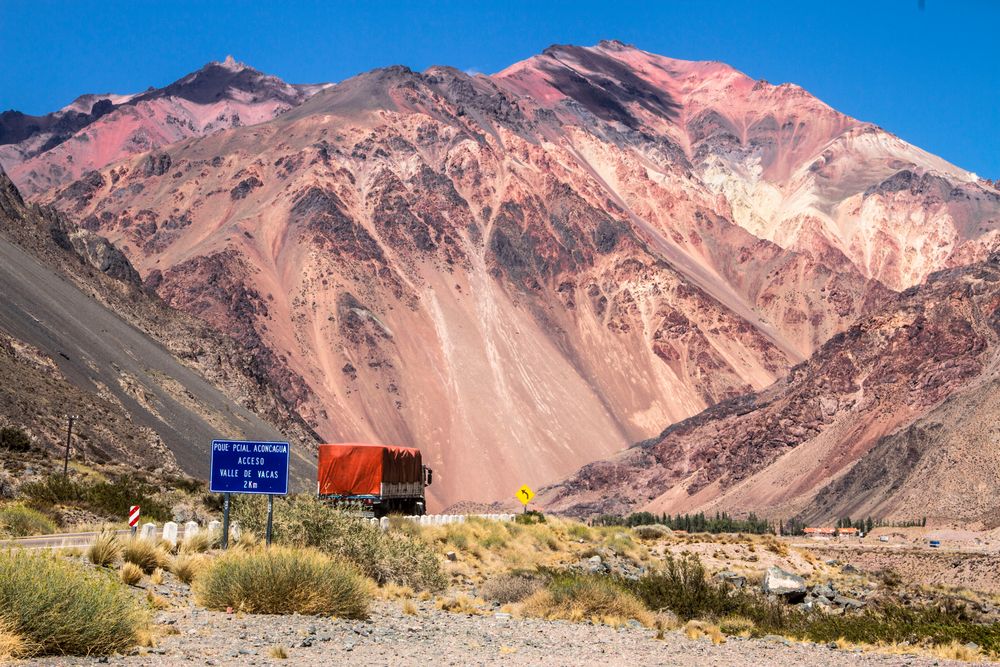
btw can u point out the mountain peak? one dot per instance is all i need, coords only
(232, 64)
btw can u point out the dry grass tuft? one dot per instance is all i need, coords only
(409, 608)
(146, 554)
(130, 573)
(105, 550)
(586, 597)
(12, 645)
(699, 629)
(512, 587)
(461, 604)
(277, 652)
(281, 580)
(392, 591)
(199, 542)
(157, 577)
(156, 601)
(187, 566)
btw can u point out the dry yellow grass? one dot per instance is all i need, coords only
(486, 547)
(12, 645)
(409, 608)
(130, 573)
(589, 600)
(699, 629)
(187, 566)
(199, 542)
(461, 604)
(105, 550)
(391, 591)
(156, 601)
(156, 578)
(146, 554)
(277, 652)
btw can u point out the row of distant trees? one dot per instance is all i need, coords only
(724, 523)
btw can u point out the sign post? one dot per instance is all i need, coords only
(270, 517)
(525, 494)
(241, 466)
(133, 518)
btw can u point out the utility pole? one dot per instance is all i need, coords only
(69, 437)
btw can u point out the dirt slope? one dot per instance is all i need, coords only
(62, 351)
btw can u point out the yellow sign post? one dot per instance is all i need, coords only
(524, 494)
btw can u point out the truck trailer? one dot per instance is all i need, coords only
(378, 479)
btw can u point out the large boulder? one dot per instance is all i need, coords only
(790, 586)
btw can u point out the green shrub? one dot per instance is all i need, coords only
(114, 497)
(303, 521)
(111, 498)
(61, 608)
(281, 580)
(683, 587)
(529, 517)
(52, 490)
(105, 550)
(20, 521)
(14, 440)
(577, 597)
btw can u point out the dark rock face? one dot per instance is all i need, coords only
(156, 165)
(245, 187)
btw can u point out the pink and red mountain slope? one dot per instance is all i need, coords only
(96, 130)
(895, 417)
(524, 273)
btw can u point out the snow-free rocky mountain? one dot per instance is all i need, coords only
(525, 273)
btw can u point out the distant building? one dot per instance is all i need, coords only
(821, 533)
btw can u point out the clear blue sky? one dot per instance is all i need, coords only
(930, 75)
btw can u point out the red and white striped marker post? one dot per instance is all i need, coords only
(133, 517)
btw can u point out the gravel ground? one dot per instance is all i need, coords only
(434, 637)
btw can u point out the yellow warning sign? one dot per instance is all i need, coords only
(524, 494)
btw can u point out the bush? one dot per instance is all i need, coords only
(20, 521)
(146, 554)
(105, 550)
(530, 517)
(61, 608)
(512, 587)
(577, 597)
(303, 521)
(111, 498)
(683, 587)
(281, 580)
(14, 440)
(653, 531)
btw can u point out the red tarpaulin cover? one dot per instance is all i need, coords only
(353, 469)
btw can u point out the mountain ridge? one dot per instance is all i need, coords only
(594, 242)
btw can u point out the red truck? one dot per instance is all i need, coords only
(378, 478)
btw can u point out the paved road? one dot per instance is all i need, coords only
(65, 540)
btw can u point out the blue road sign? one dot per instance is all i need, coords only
(240, 466)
